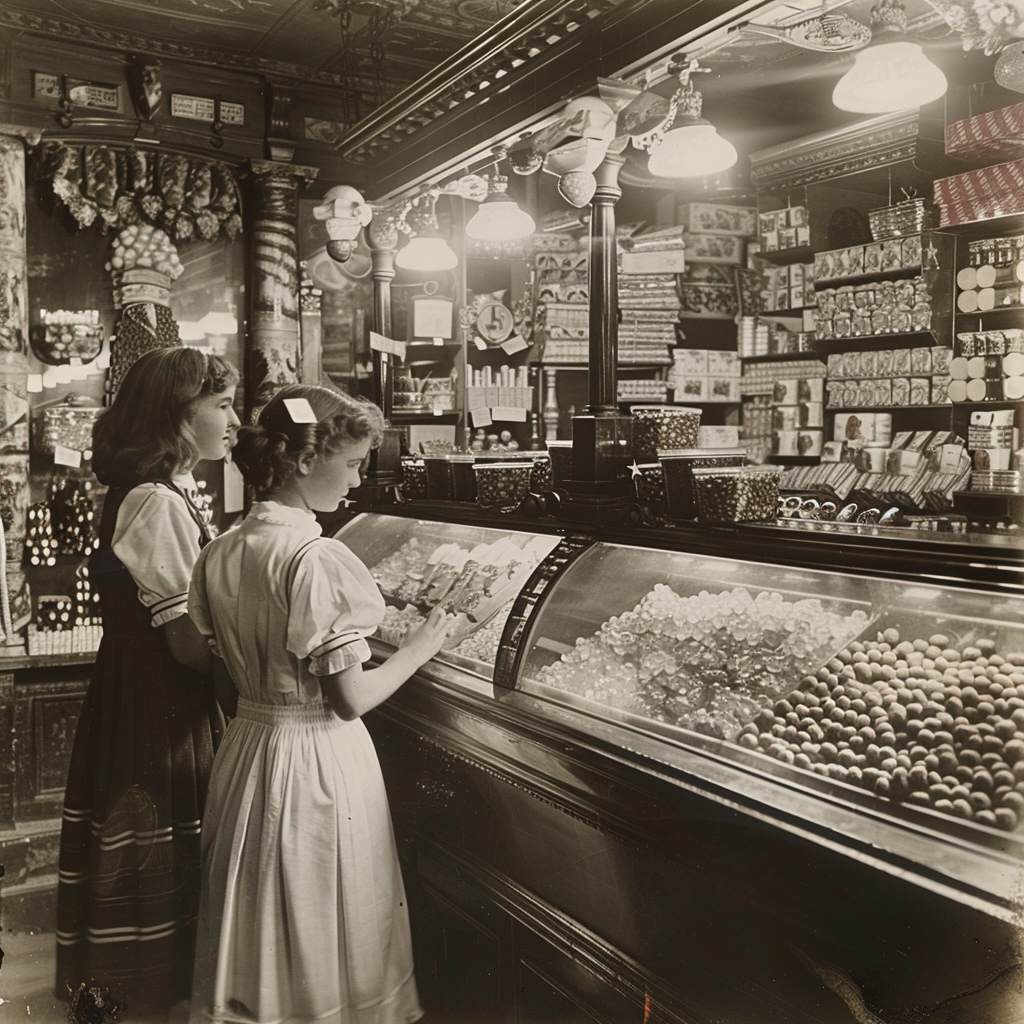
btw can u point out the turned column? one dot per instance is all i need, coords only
(604, 290)
(382, 239)
(273, 349)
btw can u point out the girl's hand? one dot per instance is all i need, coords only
(427, 638)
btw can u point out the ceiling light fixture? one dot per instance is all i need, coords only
(691, 147)
(892, 73)
(427, 249)
(499, 218)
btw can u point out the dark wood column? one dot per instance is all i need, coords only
(604, 290)
(382, 239)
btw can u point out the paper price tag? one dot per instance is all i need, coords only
(439, 341)
(300, 410)
(480, 344)
(515, 343)
(481, 417)
(66, 457)
(380, 343)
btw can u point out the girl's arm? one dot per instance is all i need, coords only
(352, 692)
(224, 688)
(188, 646)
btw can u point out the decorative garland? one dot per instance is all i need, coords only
(115, 188)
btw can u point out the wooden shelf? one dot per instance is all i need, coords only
(783, 257)
(826, 346)
(866, 277)
(781, 357)
(890, 408)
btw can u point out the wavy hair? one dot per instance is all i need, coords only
(268, 451)
(142, 435)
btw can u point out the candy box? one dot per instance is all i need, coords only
(663, 426)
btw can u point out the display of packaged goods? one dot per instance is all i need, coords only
(992, 133)
(715, 248)
(717, 219)
(865, 428)
(995, 191)
(679, 675)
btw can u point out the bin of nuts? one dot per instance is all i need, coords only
(663, 426)
(502, 486)
(737, 494)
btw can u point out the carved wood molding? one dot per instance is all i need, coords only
(127, 42)
(875, 142)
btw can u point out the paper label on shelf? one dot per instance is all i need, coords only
(480, 344)
(380, 343)
(481, 417)
(66, 456)
(234, 488)
(438, 341)
(515, 343)
(501, 412)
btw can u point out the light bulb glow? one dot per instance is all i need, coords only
(889, 77)
(426, 252)
(499, 219)
(692, 151)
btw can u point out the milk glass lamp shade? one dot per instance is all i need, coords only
(427, 252)
(499, 218)
(892, 72)
(692, 150)
(888, 77)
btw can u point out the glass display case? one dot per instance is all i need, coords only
(476, 572)
(904, 693)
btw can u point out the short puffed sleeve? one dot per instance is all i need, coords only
(157, 540)
(199, 602)
(333, 605)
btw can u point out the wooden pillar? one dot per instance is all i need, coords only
(604, 290)
(385, 462)
(273, 349)
(382, 239)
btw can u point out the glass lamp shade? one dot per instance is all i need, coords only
(693, 150)
(499, 219)
(427, 252)
(889, 77)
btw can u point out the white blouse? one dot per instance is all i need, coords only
(157, 540)
(283, 605)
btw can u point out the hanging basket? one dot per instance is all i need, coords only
(906, 218)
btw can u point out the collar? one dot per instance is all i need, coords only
(284, 515)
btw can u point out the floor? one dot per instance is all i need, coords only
(26, 983)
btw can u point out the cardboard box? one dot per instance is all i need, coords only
(717, 219)
(980, 194)
(994, 133)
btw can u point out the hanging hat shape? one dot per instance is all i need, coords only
(586, 127)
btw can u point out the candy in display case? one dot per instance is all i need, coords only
(472, 571)
(910, 692)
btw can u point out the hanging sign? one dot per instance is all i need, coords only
(432, 318)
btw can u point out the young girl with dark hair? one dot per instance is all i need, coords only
(128, 886)
(302, 916)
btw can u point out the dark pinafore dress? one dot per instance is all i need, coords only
(128, 888)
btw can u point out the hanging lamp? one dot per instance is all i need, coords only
(891, 73)
(499, 218)
(427, 249)
(692, 147)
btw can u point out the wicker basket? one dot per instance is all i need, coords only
(905, 218)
